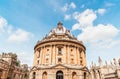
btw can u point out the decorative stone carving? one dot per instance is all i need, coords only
(119, 61)
(99, 61)
(115, 62)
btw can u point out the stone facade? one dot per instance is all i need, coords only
(59, 56)
(10, 67)
(107, 71)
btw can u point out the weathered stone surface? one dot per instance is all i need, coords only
(59, 54)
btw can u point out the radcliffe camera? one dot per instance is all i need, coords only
(59, 39)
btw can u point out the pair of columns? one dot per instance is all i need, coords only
(66, 56)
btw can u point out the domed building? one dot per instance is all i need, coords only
(59, 55)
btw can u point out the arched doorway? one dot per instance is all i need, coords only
(34, 75)
(59, 75)
(84, 75)
(74, 75)
(44, 75)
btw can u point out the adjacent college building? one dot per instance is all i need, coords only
(10, 67)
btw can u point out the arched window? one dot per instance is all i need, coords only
(84, 75)
(81, 62)
(59, 75)
(34, 75)
(47, 60)
(74, 75)
(72, 61)
(44, 75)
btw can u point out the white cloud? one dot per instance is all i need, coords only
(72, 5)
(9, 29)
(85, 19)
(3, 23)
(16, 36)
(109, 4)
(67, 6)
(67, 17)
(19, 36)
(94, 34)
(98, 33)
(101, 11)
(113, 43)
(76, 26)
(25, 57)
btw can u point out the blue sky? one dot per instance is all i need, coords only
(95, 22)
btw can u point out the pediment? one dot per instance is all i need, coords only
(59, 66)
(34, 68)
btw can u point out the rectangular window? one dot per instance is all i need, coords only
(59, 59)
(59, 50)
(80, 62)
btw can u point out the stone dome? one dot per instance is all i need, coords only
(59, 33)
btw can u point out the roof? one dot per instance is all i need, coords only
(60, 30)
(59, 33)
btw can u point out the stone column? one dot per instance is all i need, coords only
(83, 58)
(40, 74)
(41, 55)
(81, 75)
(69, 75)
(66, 54)
(44, 55)
(78, 55)
(53, 55)
(53, 74)
(37, 75)
(34, 62)
(75, 56)
(66, 74)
